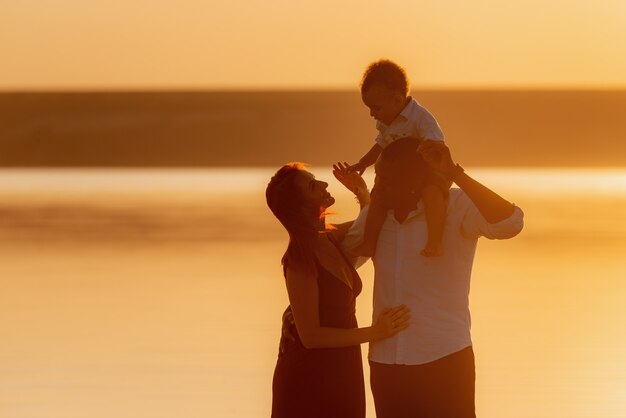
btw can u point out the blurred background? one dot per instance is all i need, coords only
(139, 265)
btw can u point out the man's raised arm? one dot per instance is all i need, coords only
(491, 206)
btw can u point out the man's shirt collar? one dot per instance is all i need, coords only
(415, 213)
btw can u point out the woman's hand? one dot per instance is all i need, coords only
(350, 179)
(391, 321)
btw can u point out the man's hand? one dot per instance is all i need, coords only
(288, 329)
(437, 156)
(350, 179)
(492, 206)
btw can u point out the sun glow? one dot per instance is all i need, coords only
(195, 44)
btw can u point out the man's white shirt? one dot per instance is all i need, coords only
(436, 289)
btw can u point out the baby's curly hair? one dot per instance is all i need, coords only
(386, 73)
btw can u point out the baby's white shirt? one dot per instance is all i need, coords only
(414, 121)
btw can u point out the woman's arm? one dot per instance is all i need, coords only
(355, 183)
(304, 301)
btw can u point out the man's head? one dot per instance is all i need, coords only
(400, 173)
(384, 90)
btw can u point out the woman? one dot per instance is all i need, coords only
(319, 373)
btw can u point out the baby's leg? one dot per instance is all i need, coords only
(435, 207)
(373, 224)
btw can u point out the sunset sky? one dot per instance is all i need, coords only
(139, 44)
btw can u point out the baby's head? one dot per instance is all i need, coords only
(384, 90)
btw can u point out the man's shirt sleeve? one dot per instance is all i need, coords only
(474, 225)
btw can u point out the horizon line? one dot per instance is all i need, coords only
(304, 89)
(562, 166)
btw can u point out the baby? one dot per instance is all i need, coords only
(385, 91)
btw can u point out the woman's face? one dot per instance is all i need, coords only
(313, 191)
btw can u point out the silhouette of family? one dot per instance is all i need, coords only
(421, 236)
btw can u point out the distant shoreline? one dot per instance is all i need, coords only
(177, 128)
(576, 168)
(193, 90)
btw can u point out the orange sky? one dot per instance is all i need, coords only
(112, 44)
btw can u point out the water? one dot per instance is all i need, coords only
(158, 293)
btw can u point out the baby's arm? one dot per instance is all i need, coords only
(367, 160)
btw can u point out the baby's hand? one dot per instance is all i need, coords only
(358, 167)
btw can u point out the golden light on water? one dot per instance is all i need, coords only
(560, 181)
(163, 293)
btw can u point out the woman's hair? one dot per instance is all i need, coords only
(386, 73)
(287, 203)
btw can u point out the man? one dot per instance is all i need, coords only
(428, 369)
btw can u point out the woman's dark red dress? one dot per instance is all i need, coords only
(322, 382)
